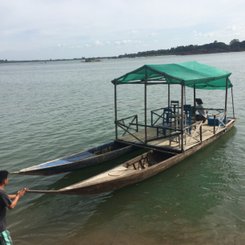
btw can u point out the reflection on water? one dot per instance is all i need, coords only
(56, 109)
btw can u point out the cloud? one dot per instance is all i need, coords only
(29, 25)
(225, 34)
(127, 42)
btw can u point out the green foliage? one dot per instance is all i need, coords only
(215, 47)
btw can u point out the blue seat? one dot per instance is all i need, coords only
(188, 116)
(167, 116)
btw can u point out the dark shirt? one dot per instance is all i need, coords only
(4, 203)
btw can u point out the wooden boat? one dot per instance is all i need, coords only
(80, 160)
(173, 133)
(135, 170)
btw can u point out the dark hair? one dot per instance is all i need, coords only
(3, 175)
(199, 101)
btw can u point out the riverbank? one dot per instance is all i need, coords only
(211, 48)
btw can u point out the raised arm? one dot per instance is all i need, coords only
(16, 198)
(12, 196)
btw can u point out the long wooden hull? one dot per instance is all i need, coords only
(81, 160)
(124, 174)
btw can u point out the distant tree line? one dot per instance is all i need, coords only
(45, 61)
(216, 47)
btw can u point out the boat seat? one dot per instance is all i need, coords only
(175, 105)
(141, 164)
(135, 168)
(167, 116)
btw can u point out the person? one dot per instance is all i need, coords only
(201, 116)
(7, 201)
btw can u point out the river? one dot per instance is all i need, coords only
(52, 109)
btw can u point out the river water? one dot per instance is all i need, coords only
(48, 110)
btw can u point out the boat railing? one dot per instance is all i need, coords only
(156, 115)
(193, 132)
(165, 116)
(158, 132)
(166, 125)
(129, 125)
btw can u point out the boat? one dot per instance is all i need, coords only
(132, 171)
(173, 133)
(92, 60)
(93, 156)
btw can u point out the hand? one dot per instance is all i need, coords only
(22, 192)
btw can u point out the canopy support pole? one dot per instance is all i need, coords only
(233, 108)
(115, 109)
(226, 98)
(145, 100)
(168, 95)
(184, 95)
(182, 117)
(194, 102)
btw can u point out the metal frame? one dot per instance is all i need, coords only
(182, 129)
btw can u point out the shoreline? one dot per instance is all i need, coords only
(137, 55)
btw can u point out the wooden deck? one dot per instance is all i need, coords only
(191, 138)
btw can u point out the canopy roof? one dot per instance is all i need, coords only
(187, 73)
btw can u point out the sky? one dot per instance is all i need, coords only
(54, 29)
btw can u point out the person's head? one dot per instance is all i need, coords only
(199, 101)
(4, 177)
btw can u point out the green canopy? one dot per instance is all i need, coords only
(188, 73)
